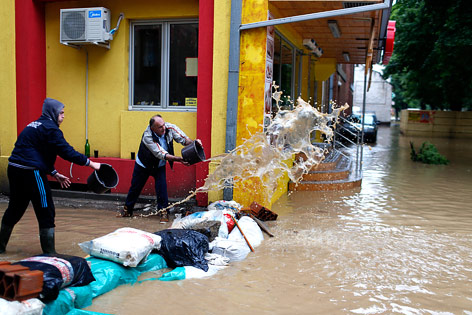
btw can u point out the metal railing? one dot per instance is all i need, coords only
(345, 141)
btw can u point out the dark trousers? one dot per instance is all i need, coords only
(139, 179)
(25, 186)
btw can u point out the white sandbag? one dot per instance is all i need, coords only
(235, 246)
(191, 220)
(27, 307)
(251, 230)
(197, 273)
(126, 246)
(232, 206)
(235, 250)
(216, 260)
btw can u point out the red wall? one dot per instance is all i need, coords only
(180, 180)
(30, 61)
(204, 90)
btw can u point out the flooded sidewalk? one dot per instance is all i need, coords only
(401, 243)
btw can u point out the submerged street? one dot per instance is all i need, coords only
(401, 243)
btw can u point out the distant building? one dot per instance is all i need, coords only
(378, 97)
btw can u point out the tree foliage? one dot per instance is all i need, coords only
(431, 65)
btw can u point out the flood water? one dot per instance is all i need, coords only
(399, 244)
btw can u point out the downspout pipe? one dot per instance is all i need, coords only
(233, 75)
(233, 83)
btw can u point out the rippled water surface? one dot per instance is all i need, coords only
(399, 244)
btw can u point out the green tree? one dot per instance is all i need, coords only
(431, 65)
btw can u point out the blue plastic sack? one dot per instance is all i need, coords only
(176, 274)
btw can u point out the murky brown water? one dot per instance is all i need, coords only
(402, 243)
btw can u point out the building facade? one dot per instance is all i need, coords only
(378, 96)
(173, 59)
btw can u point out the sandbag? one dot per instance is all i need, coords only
(235, 247)
(59, 271)
(195, 218)
(235, 250)
(126, 246)
(232, 206)
(30, 307)
(251, 230)
(108, 275)
(208, 228)
(181, 247)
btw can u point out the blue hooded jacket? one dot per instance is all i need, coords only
(42, 141)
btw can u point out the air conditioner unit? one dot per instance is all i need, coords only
(85, 26)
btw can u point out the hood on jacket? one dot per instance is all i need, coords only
(51, 109)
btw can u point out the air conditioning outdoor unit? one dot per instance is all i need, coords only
(85, 26)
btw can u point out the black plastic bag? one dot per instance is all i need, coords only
(181, 247)
(60, 271)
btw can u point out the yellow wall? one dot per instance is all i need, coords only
(112, 128)
(222, 16)
(305, 77)
(7, 87)
(324, 68)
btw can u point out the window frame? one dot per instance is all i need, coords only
(296, 73)
(165, 57)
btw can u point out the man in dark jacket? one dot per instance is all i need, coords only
(31, 160)
(155, 149)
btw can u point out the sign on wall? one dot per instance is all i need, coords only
(269, 72)
(421, 116)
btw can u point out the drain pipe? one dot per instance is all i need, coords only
(363, 117)
(233, 84)
(87, 145)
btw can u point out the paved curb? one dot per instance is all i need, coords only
(106, 201)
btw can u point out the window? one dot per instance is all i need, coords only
(163, 65)
(287, 74)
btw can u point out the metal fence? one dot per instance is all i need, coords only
(349, 144)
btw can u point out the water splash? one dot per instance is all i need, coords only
(262, 156)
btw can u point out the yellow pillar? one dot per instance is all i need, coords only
(7, 87)
(222, 15)
(324, 68)
(305, 76)
(251, 92)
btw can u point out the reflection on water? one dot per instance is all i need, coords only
(401, 243)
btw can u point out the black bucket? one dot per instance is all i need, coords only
(102, 180)
(193, 153)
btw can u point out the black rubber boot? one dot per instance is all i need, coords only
(5, 233)
(46, 237)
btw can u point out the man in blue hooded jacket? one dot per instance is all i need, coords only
(31, 160)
